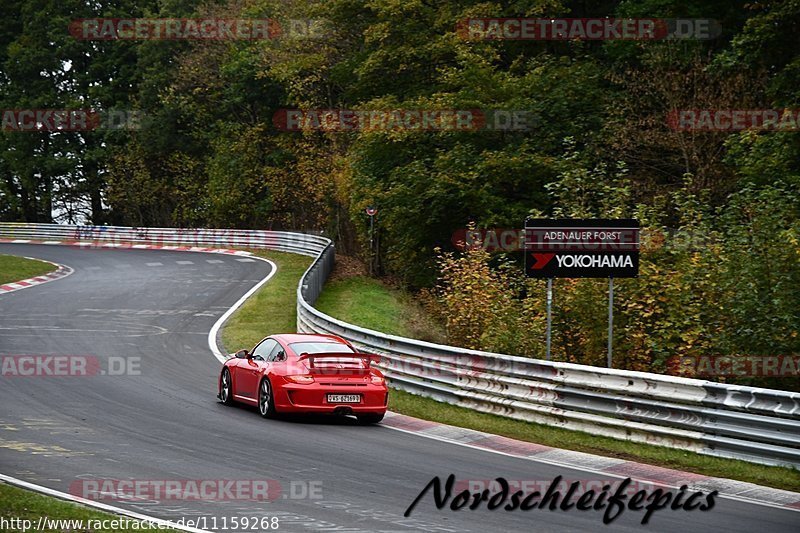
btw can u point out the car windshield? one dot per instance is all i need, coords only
(320, 347)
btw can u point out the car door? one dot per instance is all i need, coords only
(276, 365)
(238, 359)
(249, 370)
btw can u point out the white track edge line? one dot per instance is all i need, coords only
(212, 343)
(212, 334)
(96, 505)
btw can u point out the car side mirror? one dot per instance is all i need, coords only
(242, 354)
(281, 356)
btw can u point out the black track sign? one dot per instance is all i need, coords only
(581, 248)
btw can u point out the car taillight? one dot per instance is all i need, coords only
(377, 380)
(301, 379)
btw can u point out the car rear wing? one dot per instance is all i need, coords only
(368, 358)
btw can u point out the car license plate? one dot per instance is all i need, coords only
(344, 398)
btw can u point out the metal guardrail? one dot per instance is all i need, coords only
(292, 242)
(753, 424)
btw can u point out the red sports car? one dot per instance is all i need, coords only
(306, 374)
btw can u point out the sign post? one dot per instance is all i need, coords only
(610, 318)
(582, 248)
(371, 211)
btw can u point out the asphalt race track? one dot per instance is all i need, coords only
(166, 423)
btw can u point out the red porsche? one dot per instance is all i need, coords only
(299, 373)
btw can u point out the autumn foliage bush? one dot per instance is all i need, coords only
(725, 282)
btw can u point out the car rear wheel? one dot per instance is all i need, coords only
(225, 388)
(370, 418)
(266, 402)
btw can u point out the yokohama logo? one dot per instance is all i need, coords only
(594, 261)
(541, 260)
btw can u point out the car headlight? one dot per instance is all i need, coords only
(377, 380)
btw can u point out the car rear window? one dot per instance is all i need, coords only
(320, 347)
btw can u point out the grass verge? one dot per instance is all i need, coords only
(22, 505)
(13, 268)
(368, 303)
(365, 301)
(272, 309)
